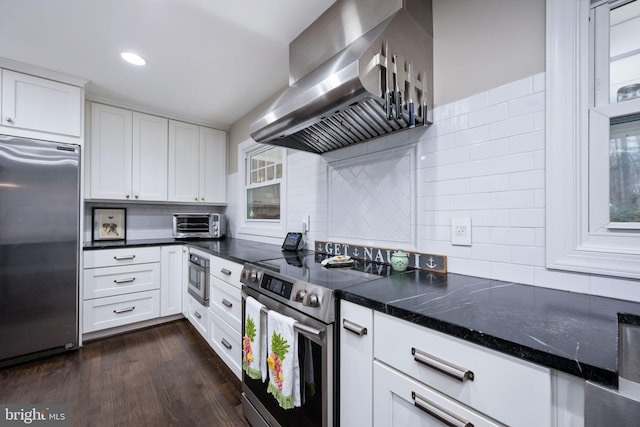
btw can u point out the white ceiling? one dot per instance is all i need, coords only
(208, 61)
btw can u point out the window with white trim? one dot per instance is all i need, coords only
(593, 135)
(263, 182)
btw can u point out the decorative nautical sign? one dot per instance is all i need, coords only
(422, 261)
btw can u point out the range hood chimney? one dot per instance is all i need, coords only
(362, 70)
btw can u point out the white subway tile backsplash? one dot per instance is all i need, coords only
(511, 91)
(495, 113)
(490, 252)
(530, 179)
(539, 82)
(510, 127)
(508, 272)
(512, 199)
(512, 236)
(526, 104)
(471, 136)
(528, 255)
(489, 149)
(488, 184)
(472, 201)
(513, 163)
(527, 217)
(526, 142)
(490, 218)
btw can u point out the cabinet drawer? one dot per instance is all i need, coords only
(109, 281)
(198, 315)
(120, 256)
(226, 270)
(509, 389)
(225, 301)
(226, 342)
(103, 313)
(400, 401)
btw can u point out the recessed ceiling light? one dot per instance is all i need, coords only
(133, 58)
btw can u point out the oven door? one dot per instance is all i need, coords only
(315, 357)
(198, 283)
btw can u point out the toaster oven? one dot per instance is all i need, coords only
(199, 225)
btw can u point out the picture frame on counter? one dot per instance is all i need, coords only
(109, 224)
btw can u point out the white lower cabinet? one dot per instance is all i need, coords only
(171, 280)
(225, 312)
(198, 315)
(398, 373)
(356, 357)
(401, 401)
(125, 286)
(119, 310)
(227, 343)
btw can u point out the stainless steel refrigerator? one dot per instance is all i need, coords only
(39, 248)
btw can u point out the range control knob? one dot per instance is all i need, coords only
(312, 300)
(299, 296)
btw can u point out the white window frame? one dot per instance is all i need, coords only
(260, 227)
(577, 182)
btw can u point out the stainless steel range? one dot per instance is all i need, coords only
(298, 286)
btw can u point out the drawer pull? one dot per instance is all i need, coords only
(227, 303)
(354, 327)
(438, 413)
(124, 258)
(198, 315)
(127, 280)
(225, 271)
(124, 310)
(448, 368)
(226, 344)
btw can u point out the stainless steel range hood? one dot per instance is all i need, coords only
(362, 70)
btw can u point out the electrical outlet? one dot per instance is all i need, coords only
(461, 231)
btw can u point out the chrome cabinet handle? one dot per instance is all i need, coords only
(198, 315)
(226, 344)
(226, 303)
(225, 271)
(354, 327)
(452, 420)
(447, 368)
(10, 121)
(127, 280)
(122, 258)
(124, 310)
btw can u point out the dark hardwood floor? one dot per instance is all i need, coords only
(166, 375)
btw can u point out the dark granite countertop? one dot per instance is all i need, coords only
(570, 332)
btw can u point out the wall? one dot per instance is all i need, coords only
(480, 45)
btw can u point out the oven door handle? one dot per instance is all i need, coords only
(307, 331)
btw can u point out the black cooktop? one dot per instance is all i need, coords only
(306, 266)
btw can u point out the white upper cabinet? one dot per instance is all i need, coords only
(213, 165)
(111, 147)
(32, 105)
(184, 153)
(197, 163)
(128, 155)
(150, 153)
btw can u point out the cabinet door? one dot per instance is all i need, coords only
(150, 153)
(111, 146)
(400, 401)
(184, 149)
(213, 165)
(356, 358)
(170, 280)
(38, 104)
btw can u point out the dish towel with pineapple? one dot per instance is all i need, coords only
(282, 359)
(254, 341)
